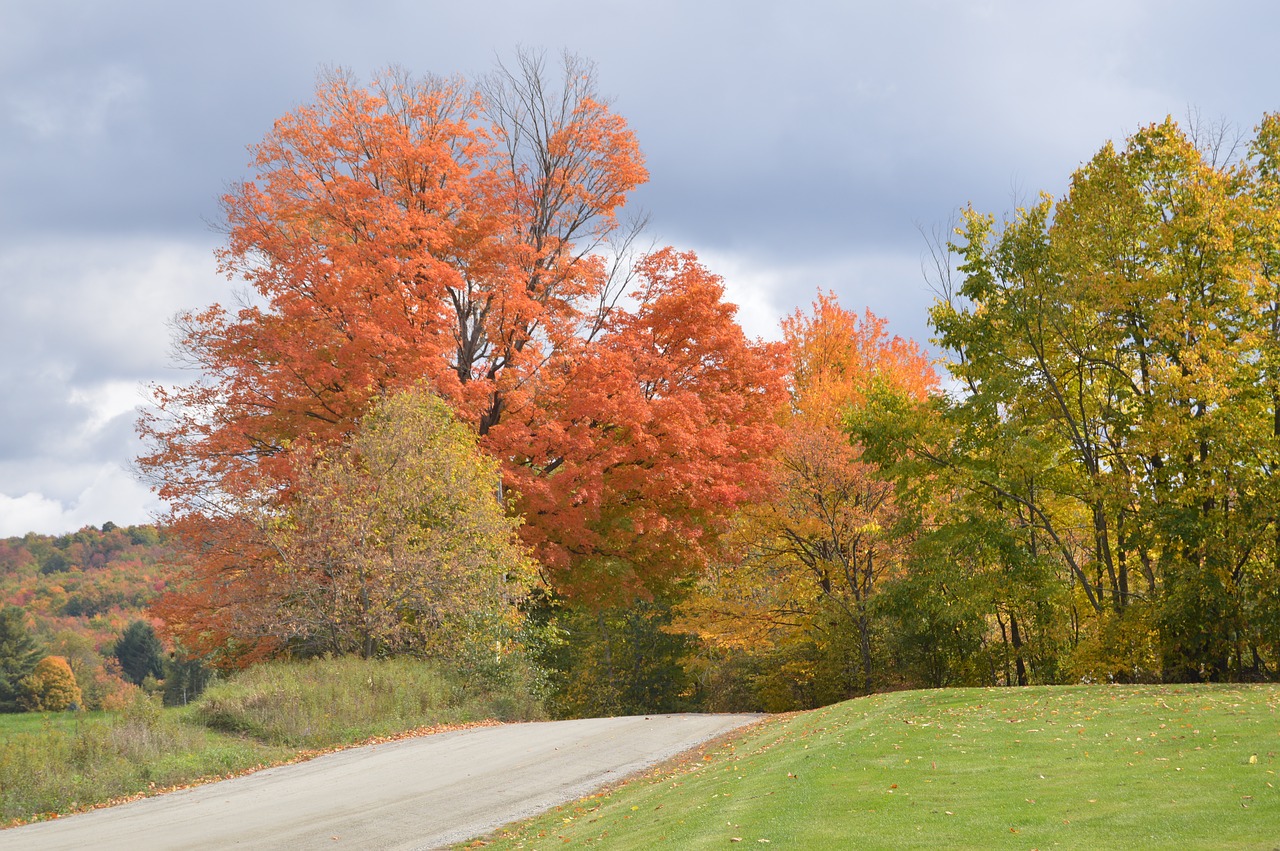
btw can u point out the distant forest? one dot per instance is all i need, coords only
(81, 591)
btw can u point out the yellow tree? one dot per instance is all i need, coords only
(811, 558)
(51, 687)
(1115, 353)
(396, 541)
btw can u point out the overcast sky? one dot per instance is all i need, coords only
(793, 146)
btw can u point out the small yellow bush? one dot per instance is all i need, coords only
(51, 686)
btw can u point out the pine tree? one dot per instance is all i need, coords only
(19, 653)
(140, 652)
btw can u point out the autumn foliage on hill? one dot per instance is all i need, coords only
(79, 591)
(468, 236)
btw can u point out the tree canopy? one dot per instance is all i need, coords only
(394, 541)
(19, 654)
(469, 236)
(1116, 430)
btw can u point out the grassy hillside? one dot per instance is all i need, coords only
(1065, 767)
(62, 762)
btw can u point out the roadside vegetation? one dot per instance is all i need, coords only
(1191, 766)
(57, 763)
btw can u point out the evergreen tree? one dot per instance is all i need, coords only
(184, 679)
(140, 652)
(19, 653)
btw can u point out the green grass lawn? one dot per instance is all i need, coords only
(15, 723)
(1046, 767)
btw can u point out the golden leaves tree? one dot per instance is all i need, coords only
(1118, 350)
(811, 558)
(394, 541)
(51, 687)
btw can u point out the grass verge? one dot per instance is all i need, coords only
(1067, 767)
(326, 702)
(73, 763)
(278, 712)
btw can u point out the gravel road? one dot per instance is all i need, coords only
(427, 792)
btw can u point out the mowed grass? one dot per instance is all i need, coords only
(1045, 767)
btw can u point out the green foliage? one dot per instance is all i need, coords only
(19, 654)
(1078, 767)
(618, 661)
(140, 653)
(185, 679)
(1103, 478)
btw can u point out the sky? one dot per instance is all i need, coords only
(795, 147)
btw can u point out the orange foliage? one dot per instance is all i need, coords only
(837, 358)
(646, 439)
(811, 557)
(423, 229)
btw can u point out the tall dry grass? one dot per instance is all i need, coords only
(64, 767)
(325, 702)
(261, 716)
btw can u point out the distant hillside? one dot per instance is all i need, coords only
(82, 589)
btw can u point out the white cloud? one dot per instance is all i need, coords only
(85, 325)
(890, 284)
(111, 494)
(105, 401)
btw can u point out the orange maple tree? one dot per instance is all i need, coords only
(469, 236)
(647, 440)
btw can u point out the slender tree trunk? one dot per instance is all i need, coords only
(1016, 638)
(864, 641)
(1004, 643)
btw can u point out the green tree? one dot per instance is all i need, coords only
(140, 652)
(19, 653)
(620, 661)
(1118, 415)
(185, 678)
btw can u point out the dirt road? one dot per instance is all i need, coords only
(427, 792)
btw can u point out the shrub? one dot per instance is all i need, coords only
(51, 687)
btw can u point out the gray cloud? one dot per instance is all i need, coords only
(796, 147)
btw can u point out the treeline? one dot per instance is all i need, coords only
(464, 421)
(1101, 484)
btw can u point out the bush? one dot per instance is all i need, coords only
(51, 687)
